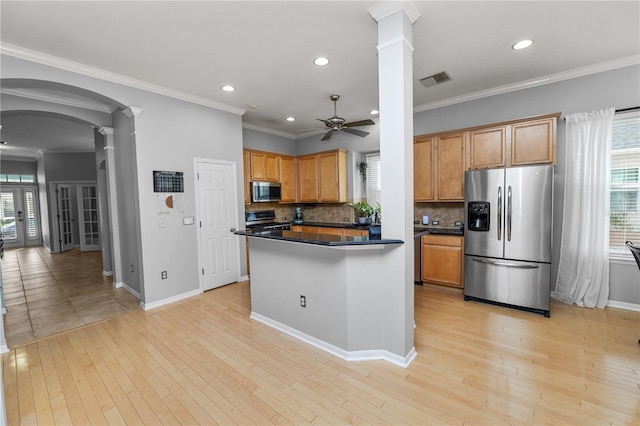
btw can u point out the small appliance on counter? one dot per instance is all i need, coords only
(298, 220)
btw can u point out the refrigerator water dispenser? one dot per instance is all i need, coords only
(478, 216)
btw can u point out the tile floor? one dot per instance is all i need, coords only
(46, 293)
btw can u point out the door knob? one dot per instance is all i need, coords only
(232, 230)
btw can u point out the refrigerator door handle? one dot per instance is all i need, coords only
(508, 264)
(509, 214)
(499, 213)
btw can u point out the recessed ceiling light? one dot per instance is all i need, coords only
(374, 112)
(321, 61)
(522, 44)
(228, 88)
(291, 119)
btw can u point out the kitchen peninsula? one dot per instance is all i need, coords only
(327, 290)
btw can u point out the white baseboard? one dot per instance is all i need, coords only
(107, 273)
(623, 305)
(117, 284)
(334, 350)
(132, 291)
(243, 278)
(147, 306)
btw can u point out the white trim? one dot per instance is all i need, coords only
(387, 8)
(107, 273)
(623, 305)
(43, 58)
(132, 291)
(552, 78)
(131, 112)
(59, 100)
(334, 350)
(117, 284)
(4, 349)
(162, 302)
(243, 278)
(268, 130)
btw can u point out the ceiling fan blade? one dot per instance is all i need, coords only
(327, 136)
(355, 132)
(359, 123)
(327, 122)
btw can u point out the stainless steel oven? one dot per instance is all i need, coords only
(264, 220)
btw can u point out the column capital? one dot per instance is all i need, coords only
(387, 8)
(106, 130)
(132, 111)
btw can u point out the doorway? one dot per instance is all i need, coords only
(19, 216)
(217, 208)
(76, 217)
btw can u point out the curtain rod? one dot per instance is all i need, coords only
(627, 109)
(620, 110)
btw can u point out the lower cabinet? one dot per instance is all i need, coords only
(326, 230)
(443, 260)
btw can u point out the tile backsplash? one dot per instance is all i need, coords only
(446, 213)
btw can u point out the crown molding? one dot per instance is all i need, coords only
(387, 8)
(268, 130)
(56, 62)
(540, 81)
(132, 111)
(59, 100)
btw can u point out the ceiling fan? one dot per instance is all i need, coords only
(337, 124)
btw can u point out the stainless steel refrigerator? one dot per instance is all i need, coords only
(508, 213)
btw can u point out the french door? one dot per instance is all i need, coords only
(64, 217)
(88, 217)
(19, 216)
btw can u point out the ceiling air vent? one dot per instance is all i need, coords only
(433, 80)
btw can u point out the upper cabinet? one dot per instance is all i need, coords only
(287, 179)
(438, 167)
(264, 166)
(332, 176)
(515, 143)
(322, 177)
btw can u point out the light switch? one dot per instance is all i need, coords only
(188, 220)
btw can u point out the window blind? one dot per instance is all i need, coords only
(373, 178)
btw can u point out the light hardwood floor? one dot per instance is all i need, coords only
(203, 361)
(49, 293)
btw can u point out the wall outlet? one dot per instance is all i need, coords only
(346, 219)
(188, 220)
(435, 222)
(457, 223)
(313, 218)
(163, 274)
(416, 222)
(284, 218)
(303, 301)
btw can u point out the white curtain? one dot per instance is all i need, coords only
(583, 271)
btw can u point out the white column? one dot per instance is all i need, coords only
(110, 163)
(395, 82)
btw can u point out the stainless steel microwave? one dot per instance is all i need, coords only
(262, 192)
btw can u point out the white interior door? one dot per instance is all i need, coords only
(217, 221)
(65, 217)
(88, 217)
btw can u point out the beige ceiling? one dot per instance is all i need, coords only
(266, 48)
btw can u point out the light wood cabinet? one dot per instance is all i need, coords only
(246, 163)
(287, 175)
(308, 178)
(332, 176)
(442, 260)
(264, 166)
(438, 172)
(326, 230)
(322, 177)
(517, 143)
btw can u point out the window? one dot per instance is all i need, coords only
(625, 184)
(14, 178)
(373, 178)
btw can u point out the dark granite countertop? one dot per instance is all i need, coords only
(419, 231)
(318, 239)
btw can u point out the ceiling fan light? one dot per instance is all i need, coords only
(228, 88)
(522, 44)
(321, 61)
(290, 119)
(374, 112)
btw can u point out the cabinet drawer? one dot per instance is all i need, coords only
(442, 240)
